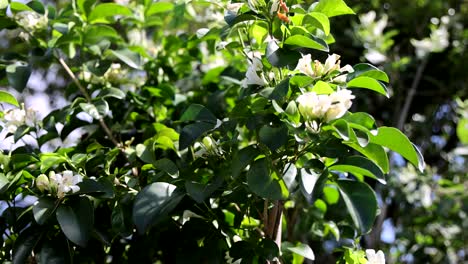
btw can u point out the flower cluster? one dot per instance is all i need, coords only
(437, 42)
(313, 106)
(31, 21)
(375, 258)
(15, 118)
(59, 184)
(331, 68)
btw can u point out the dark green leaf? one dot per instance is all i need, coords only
(76, 220)
(273, 137)
(154, 203)
(18, 75)
(196, 112)
(281, 90)
(24, 245)
(54, 252)
(361, 202)
(282, 57)
(43, 209)
(266, 183)
(243, 158)
(192, 132)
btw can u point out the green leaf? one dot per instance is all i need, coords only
(76, 220)
(167, 166)
(265, 183)
(18, 75)
(95, 33)
(280, 91)
(196, 112)
(97, 110)
(192, 132)
(462, 130)
(365, 69)
(243, 158)
(368, 83)
(18, 7)
(4, 182)
(273, 137)
(259, 31)
(361, 202)
(24, 244)
(112, 92)
(395, 140)
(322, 88)
(333, 8)
(50, 159)
(302, 250)
(154, 203)
(200, 192)
(310, 41)
(6, 97)
(362, 119)
(131, 58)
(43, 209)
(102, 12)
(159, 7)
(374, 152)
(281, 57)
(319, 20)
(360, 166)
(54, 252)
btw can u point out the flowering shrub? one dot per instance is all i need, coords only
(182, 163)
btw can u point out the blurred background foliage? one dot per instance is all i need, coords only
(423, 215)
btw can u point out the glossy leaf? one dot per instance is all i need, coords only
(368, 83)
(273, 137)
(128, 57)
(243, 158)
(395, 140)
(196, 112)
(360, 166)
(24, 244)
(302, 250)
(6, 97)
(74, 225)
(154, 203)
(311, 42)
(43, 209)
(374, 152)
(361, 202)
(18, 75)
(333, 8)
(102, 12)
(368, 70)
(320, 20)
(192, 132)
(266, 183)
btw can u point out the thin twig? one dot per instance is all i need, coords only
(102, 123)
(412, 93)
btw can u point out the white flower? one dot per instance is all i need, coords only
(312, 106)
(65, 182)
(15, 118)
(332, 63)
(437, 42)
(340, 103)
(375, 56)
(375, 258)
(251, 76)
(368, 18)
(31, 21)
(304, 65)
(328, 107)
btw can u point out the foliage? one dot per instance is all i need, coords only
(221, 143)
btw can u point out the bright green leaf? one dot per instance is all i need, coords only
(319, 20)
(395, 140)
(360, 166)
(102, 12)
(374, 152)
(333, 8)
(462, 130)
(365, 69)
(302, 250)
(301, 41)
(368, 83)
(6, 97)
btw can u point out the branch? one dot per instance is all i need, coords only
(412, 93)
(83, 90)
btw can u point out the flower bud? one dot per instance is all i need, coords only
(208, 142)
(42, 182)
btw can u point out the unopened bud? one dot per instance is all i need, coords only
(42, 182)
(208, 142)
